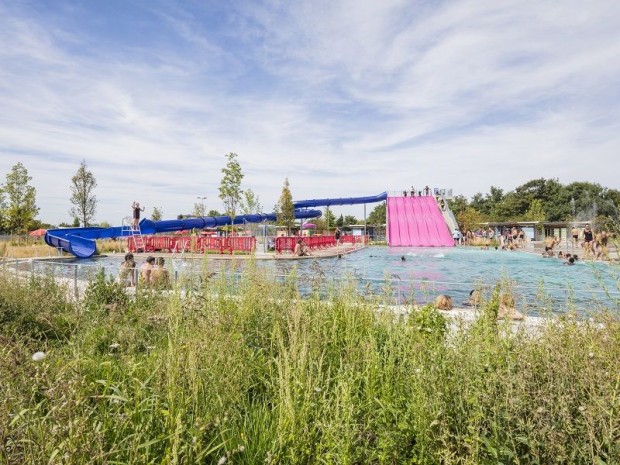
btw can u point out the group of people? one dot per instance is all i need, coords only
(152, 273)
(595, 245)
(424, 192)
(507, 308)
(569, 259)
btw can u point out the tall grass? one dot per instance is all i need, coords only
(260, 375)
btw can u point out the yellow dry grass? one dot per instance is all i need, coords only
(37, 249)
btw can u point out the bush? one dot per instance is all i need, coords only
(36, 309)
(105, 293)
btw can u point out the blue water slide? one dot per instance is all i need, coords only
(81, 241)
(340, 201)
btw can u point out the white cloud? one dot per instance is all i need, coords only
(344, 98)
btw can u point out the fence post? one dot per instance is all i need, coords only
(32, 270)
(75, 284)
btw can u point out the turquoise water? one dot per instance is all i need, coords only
(425, 272)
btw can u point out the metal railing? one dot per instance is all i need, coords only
(77, 277)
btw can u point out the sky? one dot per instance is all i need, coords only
(343, 98)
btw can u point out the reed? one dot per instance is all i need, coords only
(244, 370)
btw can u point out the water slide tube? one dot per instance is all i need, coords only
(341, 201)
(81, 241)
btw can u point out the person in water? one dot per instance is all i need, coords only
(300, 249)
(160, 277)
(146, 271)
(127, 272)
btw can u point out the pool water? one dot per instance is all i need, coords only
(419, 274)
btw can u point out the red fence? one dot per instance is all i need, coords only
(287, 244)
(235, 244)
(194, 244)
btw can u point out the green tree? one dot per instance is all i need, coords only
(199, 210)
(377, 215)
(512, 207)
(329, 218)
(340, 221)
(21, 200)
(76, 222)
(285, 210)
(157, 214)
(84, 201)
(469, 219)
(349, 220)
(230, 185)
(551, 194)
(250, 203)
(458, 204)
(2, 209)
(214, 213)
(535, 212)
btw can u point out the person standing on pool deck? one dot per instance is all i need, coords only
(136, 214)
(575, 233)
(588, 236)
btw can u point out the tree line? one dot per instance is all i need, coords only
(536, 200)
(540, 200)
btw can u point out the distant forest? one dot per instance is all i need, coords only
(541, 200)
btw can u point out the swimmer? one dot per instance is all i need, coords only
(402, 258)
(443, 302)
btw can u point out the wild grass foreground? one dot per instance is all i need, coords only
(327, 379)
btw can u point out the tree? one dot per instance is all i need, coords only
(21, 200)
(230, 185)
(377, 215)
(82, 197)
(535, 212)
(469, 219)
(2, 209)
(214, 213)
(340, 221)
(285, 210)
(250, 203)
(157, 214)
(329, 218)
(349, 220)
(199, 210)
(458, 204)
(76, 222)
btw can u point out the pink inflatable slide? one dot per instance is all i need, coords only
(416, 222)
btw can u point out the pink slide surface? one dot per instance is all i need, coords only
(416, 222)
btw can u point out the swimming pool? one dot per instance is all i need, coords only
(425, 272)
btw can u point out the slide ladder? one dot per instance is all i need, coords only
(128, 230)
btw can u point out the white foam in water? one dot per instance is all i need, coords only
(412, 254)
(439, 255)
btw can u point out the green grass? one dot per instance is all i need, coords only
(239, 377)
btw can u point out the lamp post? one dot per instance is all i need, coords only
(202, 199)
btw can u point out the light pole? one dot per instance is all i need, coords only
(204, 212)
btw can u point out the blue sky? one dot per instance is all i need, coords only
(345, 98)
